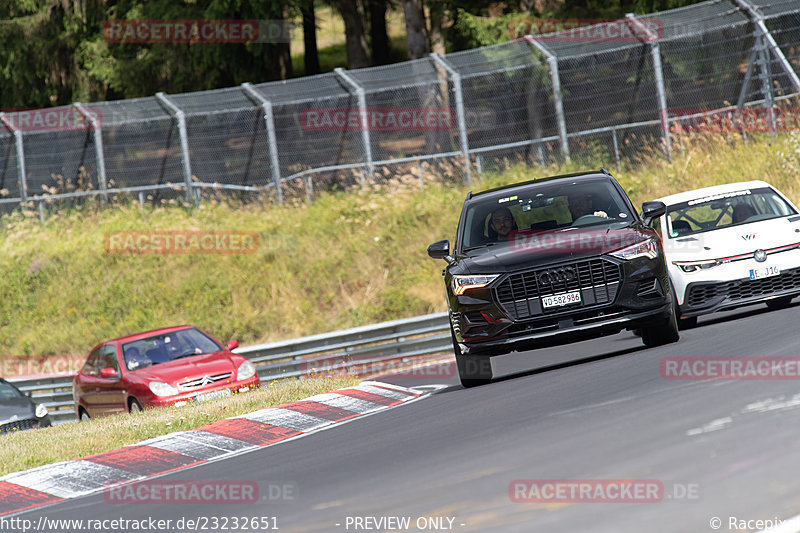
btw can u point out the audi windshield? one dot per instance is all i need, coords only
(498, 219)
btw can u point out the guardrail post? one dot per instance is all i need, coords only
(362, 110)
(758, 20)
(176, 112)
(269, 121)
(655, 52)
(462, 123)
(20, 149)
(97, 132)
(558, 102)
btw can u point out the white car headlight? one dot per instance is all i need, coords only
(692, 266)
(463, 283)
(41, 410)
(246, 371)
(648, 249)
(160, 388)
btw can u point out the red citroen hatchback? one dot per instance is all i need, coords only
(156, 368)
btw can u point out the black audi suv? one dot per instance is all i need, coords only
(553, 261)
(18, 412)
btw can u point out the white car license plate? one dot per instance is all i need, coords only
(213, 395)
(562, 299)
(765, 272)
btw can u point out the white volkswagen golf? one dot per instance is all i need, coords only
(730, 245)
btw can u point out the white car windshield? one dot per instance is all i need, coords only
(725, 210)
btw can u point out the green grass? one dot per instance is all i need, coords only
(29, 449)
(349, 259)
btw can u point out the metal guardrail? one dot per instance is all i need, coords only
(362, 351)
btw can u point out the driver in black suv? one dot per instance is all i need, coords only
(581, 205)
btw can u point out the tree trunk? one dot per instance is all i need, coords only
(377, 31)
(416, 32)
(311, 54)
(437, 30)
(355, 38)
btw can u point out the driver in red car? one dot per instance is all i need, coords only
(135, 360)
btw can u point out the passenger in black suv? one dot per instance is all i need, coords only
(560, 276)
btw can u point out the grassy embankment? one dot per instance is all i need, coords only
(350, 258)
(29, 449)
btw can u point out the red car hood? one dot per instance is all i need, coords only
(188, 368)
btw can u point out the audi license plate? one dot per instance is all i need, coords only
(765, 272)
(558, 300)
(213, 395)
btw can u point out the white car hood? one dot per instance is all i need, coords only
(736, 240)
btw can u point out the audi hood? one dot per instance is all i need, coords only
(528, 249)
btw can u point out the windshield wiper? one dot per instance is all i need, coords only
(480, 246)
(181, 356)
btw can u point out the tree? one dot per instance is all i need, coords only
(310, 54)
(379, 37)
(355, 37)
(416, 31)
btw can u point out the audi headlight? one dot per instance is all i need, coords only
(691, 266)
(648, 249)
(463, 283)
(246, 371)
(41, 410)
(160, 388)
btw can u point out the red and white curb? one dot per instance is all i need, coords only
(49, 484)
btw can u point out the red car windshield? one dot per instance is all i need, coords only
(167, 347)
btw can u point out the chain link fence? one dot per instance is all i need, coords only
(605, 94)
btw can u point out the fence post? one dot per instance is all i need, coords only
(655, 52)
(758, 20)
(362, 110)
(558, 102)
(176, 112)
(462, 123)
(616, 149)
(765, 75)
(269, 121)
(97, 132)
(20, 148)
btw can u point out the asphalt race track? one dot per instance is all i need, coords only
(718, 449)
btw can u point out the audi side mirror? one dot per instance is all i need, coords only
(651, 210)
(440, 250)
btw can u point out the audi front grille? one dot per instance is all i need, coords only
(520, 294)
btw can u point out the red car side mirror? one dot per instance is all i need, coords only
(108, 373)
(232, 345)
